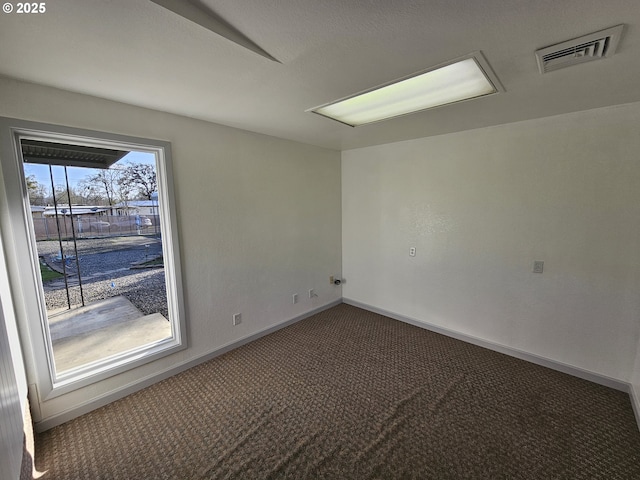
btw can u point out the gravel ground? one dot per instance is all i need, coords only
(105, 268)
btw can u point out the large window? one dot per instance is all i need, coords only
(97, 262)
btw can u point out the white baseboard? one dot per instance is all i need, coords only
(634, 395)
(529, 357)
(133, 387)
(94, 403)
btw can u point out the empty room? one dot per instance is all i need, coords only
(351, 240)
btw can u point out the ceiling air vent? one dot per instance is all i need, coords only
(594, 46)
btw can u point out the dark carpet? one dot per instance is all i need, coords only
(348, 394)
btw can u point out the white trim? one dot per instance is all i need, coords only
(496, 347)
(133, 387)
(634, 396)
(24, 270)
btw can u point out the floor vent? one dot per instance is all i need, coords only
(594, 46)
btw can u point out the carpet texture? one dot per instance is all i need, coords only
(348, 394)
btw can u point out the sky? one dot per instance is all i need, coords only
(76, 174)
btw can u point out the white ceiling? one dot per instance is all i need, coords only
(137, 52)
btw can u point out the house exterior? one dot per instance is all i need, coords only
(74, 210)
(137, 207)
(37, 211)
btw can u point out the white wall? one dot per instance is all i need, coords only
(258, 217)
(480, 206)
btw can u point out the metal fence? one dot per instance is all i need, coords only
(92, 226)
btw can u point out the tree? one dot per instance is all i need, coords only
(140, 177)
(104, 183)
(62, 195)
(37, 191)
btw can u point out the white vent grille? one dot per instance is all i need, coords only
(590, 47)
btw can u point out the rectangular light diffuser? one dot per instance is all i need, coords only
(462, 79)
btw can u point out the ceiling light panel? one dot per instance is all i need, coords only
(458, 80)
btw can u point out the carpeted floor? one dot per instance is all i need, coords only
(349, 394)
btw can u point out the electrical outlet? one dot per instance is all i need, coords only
(237, 319)
(294, 298)
(538, 266)
(412, 251)
(312, 293)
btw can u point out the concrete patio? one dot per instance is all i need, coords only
(102, 329)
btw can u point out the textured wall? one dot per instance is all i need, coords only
(480, 207)
(258, 217)
(11, 434)
(12, 383)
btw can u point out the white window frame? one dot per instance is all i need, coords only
(17, 230)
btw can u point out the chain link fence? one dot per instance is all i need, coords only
(95, 226)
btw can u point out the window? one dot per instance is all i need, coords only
(95, 211)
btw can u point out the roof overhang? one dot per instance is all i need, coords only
(38, 151)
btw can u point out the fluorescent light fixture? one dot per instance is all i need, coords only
(461, 79)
